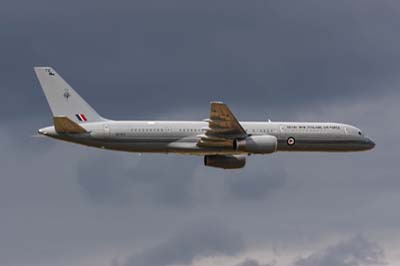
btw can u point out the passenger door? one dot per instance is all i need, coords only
(107, 131)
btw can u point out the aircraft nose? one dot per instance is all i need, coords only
(369, 143)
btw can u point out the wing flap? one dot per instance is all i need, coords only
(215, 143)
(223, 127)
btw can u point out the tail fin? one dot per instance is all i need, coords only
(63, 99)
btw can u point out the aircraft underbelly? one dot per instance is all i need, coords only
(189, 145)
(179, 146)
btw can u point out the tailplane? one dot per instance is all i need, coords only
(63, 99)
(63, 124)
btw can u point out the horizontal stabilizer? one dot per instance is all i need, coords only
(63, 124)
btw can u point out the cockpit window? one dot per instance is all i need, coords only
(360, 133)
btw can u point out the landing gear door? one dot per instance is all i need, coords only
(107, 131)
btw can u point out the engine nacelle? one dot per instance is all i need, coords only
(257, 144)
(225, 161)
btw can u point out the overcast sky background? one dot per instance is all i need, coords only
(63, 204)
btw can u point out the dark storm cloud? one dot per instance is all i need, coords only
(200, 239)
(257, 53)
(256, 185)
(357, 251)
(103, 179)
(106, 179)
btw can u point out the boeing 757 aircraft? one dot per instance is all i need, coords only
(221, 139)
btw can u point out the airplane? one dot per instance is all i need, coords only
(224, 141)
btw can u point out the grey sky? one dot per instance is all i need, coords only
(62, 204)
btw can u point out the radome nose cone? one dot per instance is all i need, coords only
(370, 144)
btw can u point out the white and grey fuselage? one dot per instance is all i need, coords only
(183, 136)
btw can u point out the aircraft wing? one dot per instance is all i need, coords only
(223, 128)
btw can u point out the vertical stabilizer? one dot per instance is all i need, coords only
(63, 99)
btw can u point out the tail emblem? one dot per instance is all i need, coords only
(66, 94)
(81, 117)
(48, 70)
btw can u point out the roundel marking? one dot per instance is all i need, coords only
(291, 141)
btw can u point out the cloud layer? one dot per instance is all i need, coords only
(201, 239)
(353, 252)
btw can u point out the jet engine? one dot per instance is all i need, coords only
(257, 144)
(225, 161)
